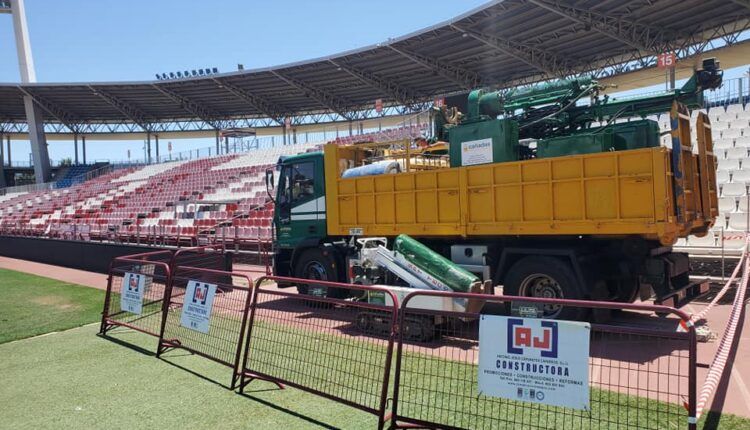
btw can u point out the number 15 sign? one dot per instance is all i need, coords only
(666, 60)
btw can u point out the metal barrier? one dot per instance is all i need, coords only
(217, 336)
(641, 377)
(144, 279)
(204, 257)
(156, 268)
(335, 348)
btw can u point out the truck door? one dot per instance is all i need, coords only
(301, 202)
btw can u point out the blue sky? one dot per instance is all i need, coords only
(116, 40)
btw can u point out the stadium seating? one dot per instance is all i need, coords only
(169, 203)
(731, 133)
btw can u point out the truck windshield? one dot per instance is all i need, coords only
(298, 183)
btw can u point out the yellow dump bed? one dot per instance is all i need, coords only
(604, 194)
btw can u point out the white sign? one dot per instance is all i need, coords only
(196, 310)
(476, 152)
(535, 360)
(131, 296)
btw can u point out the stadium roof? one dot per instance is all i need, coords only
(501, 43)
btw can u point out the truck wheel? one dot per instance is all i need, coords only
(314, 264)
(545, 277)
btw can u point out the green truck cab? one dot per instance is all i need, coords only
(299, 220)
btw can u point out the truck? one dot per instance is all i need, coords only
(554, 190)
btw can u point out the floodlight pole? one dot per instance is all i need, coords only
(34, 117)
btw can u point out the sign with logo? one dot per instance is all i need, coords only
(535, 360)
(666, 60)
(131, 296)
(476, 152)
(288, 123)
(439, 102)
(378, 105)
(196, 311)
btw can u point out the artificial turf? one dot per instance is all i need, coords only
(75, 379)
(31, 305)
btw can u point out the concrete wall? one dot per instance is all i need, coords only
(91, 256)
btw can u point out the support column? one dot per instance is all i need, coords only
(8, 152)
(83, 146)
(148, 148)
(350, 128)
(2, 163)
(37, 140)
(34, 117)
(75, 147)
(283, 135)
(156, 136)
(226, 144)
(217, 142)
(671, 78)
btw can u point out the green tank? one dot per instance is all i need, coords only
(456, 278)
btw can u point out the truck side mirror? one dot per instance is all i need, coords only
(270, 184)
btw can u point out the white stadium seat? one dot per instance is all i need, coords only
(736, 153)
(742, 205)
(727, 204)
(729, 164)
(719, 125)
(709, 240)
(722, 177)
(743, 141)
(742, 175)
(734, 109)
(738, 221)
(733, 189)
(731, 133)
(721, 143)
(714, 113)
(732, 240)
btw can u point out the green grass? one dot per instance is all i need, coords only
(32, 305)
(75, 379)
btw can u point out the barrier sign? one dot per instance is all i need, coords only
(535, 360)
(131, 296)
(476, 152)
(196, 310)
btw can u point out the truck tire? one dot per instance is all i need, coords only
(546, 277)
(315, 264)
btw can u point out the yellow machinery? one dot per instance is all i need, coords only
(617, 193)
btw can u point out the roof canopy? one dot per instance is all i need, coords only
(502, 43)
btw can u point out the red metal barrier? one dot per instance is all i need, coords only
(224, 332)
(150, 279)
(335, 348)
(207, 256)
(642, 371)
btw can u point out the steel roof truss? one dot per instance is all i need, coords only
(59, 114)
(257, 102)
(205, 114)
(465, 79)
(640, 36)
(126, 109)
(326, 99)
